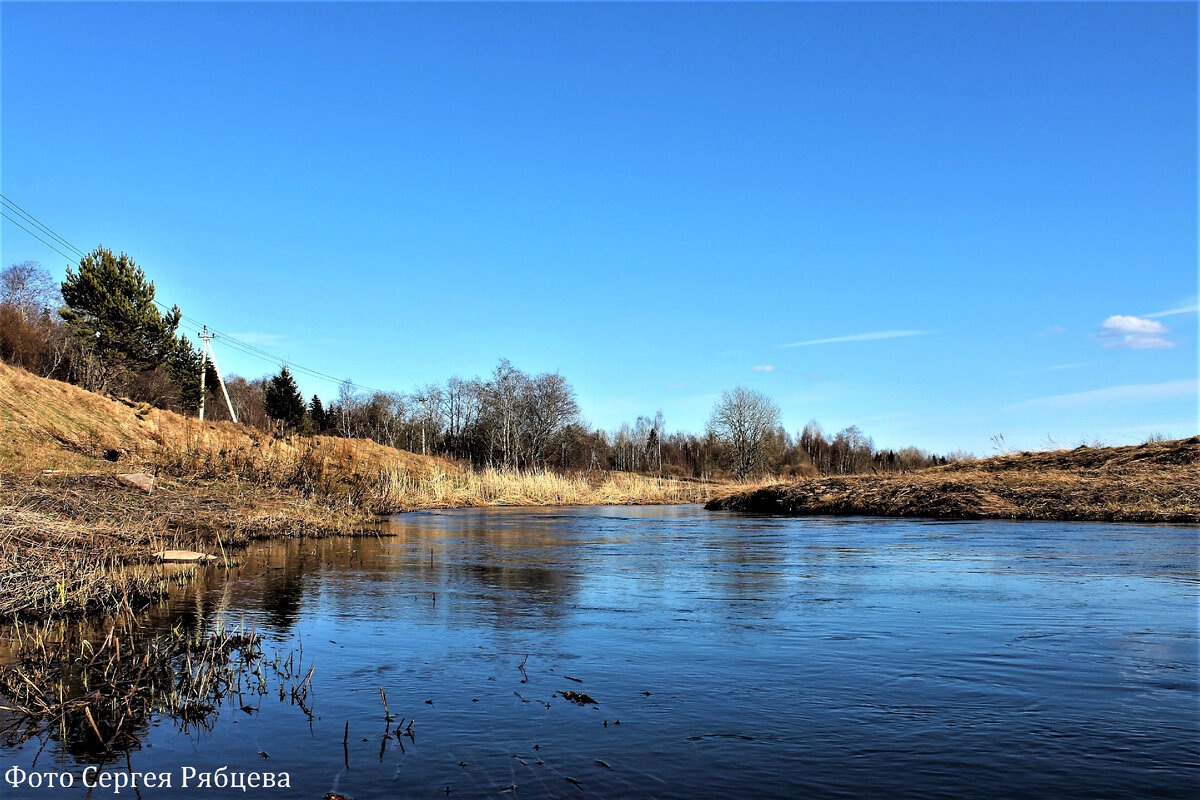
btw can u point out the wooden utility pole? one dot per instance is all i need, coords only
(205, 352)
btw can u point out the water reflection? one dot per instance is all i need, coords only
(728, 655)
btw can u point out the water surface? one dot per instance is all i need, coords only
(728, 655)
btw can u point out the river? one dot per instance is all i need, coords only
(727, 656)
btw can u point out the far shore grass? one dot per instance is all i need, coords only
(1151, 482)
(73, 537)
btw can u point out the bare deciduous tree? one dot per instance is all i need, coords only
(742, 420)
(29, 288)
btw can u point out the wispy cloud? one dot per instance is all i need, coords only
(860, 337)
(1127, 394)
(1057, 367)
(1054, 368)
(1053, 330)
(1190, 308)
(1134, 333)
(764, 368)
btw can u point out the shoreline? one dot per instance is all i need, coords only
(75, 543)
(70, 528)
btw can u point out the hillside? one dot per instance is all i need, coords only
(53, 425)
(1153, 482)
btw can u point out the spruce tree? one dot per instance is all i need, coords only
(183, 367)
(316, 410)
(283, 400)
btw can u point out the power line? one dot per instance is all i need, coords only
(234, 343)
(39, 224)
(34, 235)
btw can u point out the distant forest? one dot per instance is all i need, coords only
(102, 329)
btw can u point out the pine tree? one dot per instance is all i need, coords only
(283, 400)
(110, 306)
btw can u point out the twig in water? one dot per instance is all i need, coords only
(387, 715)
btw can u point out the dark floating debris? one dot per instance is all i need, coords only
(580, 698)
(576, 783)
(577, 680)
(604, 764)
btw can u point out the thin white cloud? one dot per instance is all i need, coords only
(1056, 367)
(1134, 333)
(764, 368)
(1053, 330)
(860, 337)
(1127, 394)
(1191, 308)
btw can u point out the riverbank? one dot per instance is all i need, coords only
(74, 535)
(1152, 482)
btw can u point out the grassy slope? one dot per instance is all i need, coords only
(53, 425)
(69, 528)
(1153, 482)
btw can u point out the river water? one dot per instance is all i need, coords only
(727, 655)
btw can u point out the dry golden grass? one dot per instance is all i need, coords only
(50, 425)
(49, 565)
(1153, 482)
(500, 488)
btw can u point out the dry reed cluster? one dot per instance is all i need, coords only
(493, 487)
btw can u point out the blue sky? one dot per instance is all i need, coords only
(937, 221)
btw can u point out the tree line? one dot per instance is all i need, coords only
(102, 329)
